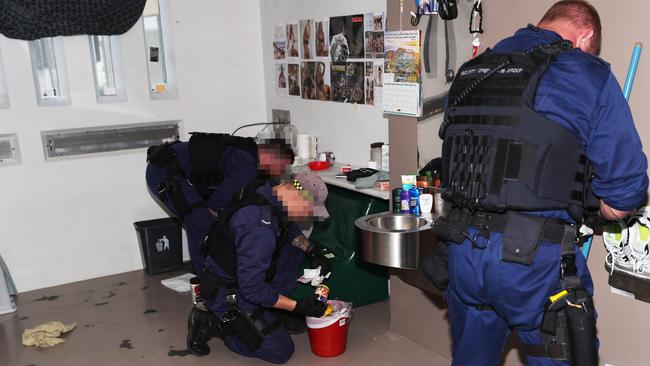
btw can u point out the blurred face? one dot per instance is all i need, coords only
(272, 162)
(297, 204)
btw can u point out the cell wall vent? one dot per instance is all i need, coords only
(84, 141)
(9, 150)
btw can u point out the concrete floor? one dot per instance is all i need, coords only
(130, 319)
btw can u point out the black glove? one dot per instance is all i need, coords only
(317, 258)
(310, 306)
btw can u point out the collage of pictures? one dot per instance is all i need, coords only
(339, 59)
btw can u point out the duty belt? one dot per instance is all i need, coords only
(553, 230)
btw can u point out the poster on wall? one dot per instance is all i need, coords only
(281, 79)
(369, 83)
(402, 92)
(293, 75)
(323, 89)
(346, 37)
(379, 21)
(293, 48)
(279, 41)
(307, 39)
(348, 82)
(378, 73)
(322, 38)
(374, 44)
(308, 83)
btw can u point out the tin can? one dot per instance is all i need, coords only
(322, 293)
(195, 290)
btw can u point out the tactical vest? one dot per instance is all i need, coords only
(500, 154)
(220, 244)
(207, 170)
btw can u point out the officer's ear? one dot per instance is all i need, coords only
(584, 40)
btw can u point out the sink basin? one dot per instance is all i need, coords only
(391, 240)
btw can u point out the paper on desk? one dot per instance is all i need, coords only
(179, 283)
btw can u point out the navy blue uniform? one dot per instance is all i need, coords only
(255, 229)
(580, 93)
(239, 167)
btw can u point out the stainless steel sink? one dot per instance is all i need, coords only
(391, 240)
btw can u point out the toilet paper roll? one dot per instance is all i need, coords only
(304, 146)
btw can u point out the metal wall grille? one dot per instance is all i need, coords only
(71, 142)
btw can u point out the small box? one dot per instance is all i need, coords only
(161, 245)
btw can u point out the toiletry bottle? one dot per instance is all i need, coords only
(405, 199)
(414, 202)
(397, 200)
(426, 201)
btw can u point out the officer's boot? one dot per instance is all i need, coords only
(201, 327)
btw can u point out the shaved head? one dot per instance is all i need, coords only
(581, 15)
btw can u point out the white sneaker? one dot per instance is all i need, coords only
(639, 253)
(616, 237)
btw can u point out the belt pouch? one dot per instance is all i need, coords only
(521, 238)
(244, 328)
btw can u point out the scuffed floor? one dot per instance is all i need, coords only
(130, 319)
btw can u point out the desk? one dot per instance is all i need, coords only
(329, 176)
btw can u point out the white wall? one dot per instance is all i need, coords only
(346, 129)
(71, 220)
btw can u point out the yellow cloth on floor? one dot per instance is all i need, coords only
(46, 335)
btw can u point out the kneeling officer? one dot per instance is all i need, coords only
(251, 267)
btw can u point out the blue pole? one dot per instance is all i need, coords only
(627, 90)
(631, 72)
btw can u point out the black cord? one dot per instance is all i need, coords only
(258, 124)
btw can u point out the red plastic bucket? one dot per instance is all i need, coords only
(328, 336)
(331, 340)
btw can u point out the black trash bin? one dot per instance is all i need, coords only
(161, 245)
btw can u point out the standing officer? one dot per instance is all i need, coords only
(196, 179)
(251, 268)
(536, 133)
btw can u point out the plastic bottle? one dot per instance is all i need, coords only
(426, 202)
(405, 198)
(414, 201)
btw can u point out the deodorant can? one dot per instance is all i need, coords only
(397, 200)
(404, 201)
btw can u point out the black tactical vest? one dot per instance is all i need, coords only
(220, 244)
(500, 154)
(207, 156)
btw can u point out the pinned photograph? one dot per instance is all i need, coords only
(308, 80)
(279, 41)
(378, 21)
(354, 72)
(307, 39)
(293, 75)
(374, 44)
(346, 37)
(370, 90)
(378, 73)
(322, 39)
(293, 48)
(340, 90)
(323, 89)
(281, 79)
(426, 7)
(369, 69)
